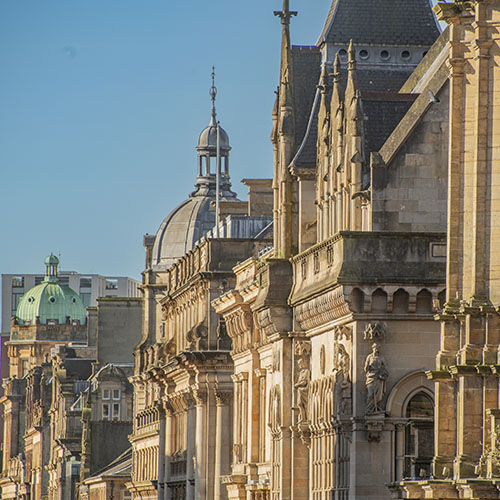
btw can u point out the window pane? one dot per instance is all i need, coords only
(105, 411)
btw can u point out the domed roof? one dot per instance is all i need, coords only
(51, 260)
(194, 217)
(208, 139)
(181, 229)
(50, 300)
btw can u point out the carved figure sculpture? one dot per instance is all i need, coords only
(342, 362)
(376, 376)
(302, 386)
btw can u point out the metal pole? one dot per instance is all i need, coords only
(217, 184)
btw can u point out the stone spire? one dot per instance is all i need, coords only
(284, 231)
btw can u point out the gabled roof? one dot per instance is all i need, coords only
(380, 22)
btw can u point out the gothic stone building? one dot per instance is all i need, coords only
(333, 329)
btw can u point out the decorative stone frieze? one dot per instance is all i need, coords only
(374, 331)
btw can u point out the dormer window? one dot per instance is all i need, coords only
(106, 394)
(117, 394)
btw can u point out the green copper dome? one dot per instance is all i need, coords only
(50, 301)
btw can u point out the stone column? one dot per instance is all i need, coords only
(222, 441)
(200, 478)
(161, 460)
(190, 456)
(167, 453)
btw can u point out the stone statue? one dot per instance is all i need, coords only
(376, 376)
(302, 386)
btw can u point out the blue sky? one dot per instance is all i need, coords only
(101, 104)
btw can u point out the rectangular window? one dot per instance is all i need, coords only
(18, 282)
(85, 283)
(106, 394)
(24, 367)
(105, 411)
(111, 284)
(116, 411)
(85, 296)
(116, 394)
(16, 297)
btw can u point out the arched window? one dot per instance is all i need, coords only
(419, 436)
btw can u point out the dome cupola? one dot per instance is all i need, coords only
(194, 217)
(50, 302)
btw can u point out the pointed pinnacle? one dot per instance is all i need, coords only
(336, 65)
(351, 51)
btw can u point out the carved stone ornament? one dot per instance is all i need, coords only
(197, 338)
(374, 331)
(322, 359)
(343, 332)
(275, 409)
(374, 427)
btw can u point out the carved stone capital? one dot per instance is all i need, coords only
(223, 398)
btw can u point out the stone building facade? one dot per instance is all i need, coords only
(333, 329)
(67, 408)
(183, 388)
(466, 462)
(288, 349)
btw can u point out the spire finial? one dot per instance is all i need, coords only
(213, 95)
(285, 14)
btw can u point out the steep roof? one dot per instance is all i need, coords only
(385, 82)
(380, 22)
(306, 70)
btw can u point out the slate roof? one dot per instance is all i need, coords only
(306, 72)
(382, 112)
(380, 22)
(369, 81)
(120, 467)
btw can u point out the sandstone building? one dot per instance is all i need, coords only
(183, 389)
(288, 347)
(67, 402)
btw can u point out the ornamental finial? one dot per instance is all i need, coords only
(213, 95)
